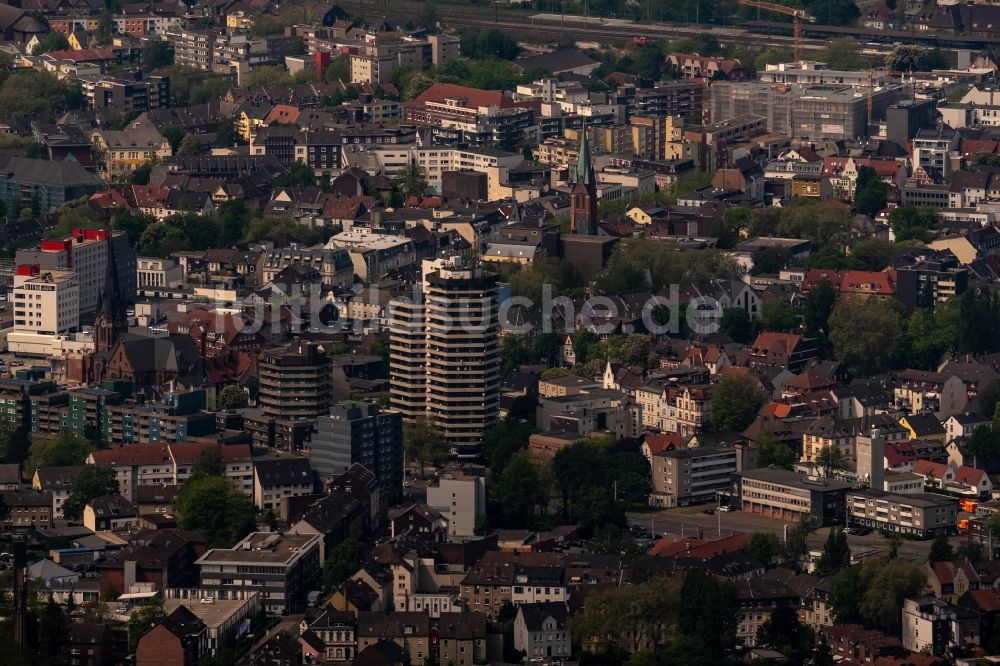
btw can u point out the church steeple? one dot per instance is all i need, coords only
(583, 201)
(584, 168)
(111, 319)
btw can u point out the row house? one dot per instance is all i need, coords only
(149, 464)
(920, 391)
(842, 434)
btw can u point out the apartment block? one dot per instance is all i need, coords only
(460, 496)
(282, 569)
(691, 476)
(296, 383)
(46, 302)
(920, 515)
(444, 352)
(361, 433)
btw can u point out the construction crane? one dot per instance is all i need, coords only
(796, 14)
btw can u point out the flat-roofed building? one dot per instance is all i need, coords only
(920, 515)
(283, 569)
(691, 476)
(786, 495)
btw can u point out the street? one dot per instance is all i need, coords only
(692, 521)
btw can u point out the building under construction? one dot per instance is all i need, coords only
(822, 111)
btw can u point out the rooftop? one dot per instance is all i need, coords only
(263, 548)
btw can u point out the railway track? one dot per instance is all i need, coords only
(554, 26)
(527, 24)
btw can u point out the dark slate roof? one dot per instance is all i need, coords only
(171, 353)
(110, 506)
(382, 653)
(65, 173)
(27, 498)
(183, 623)
(283, 472)
(50, 478)
(535, 614)
(327, 513)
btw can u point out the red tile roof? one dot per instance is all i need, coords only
(931, 469)
(701, 549)
(665, 442)
(474, 97)
(768, 340)
(899, 453)
(882, 283)
(285, 114)
(970, 476)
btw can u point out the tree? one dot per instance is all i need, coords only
(989, 398)
(143, 619)
(776, 314)
(64, 450)
(339, 69)
(818, 307)
(501, 441)
(873, 594)
(984, 444)
(888, 584)
(985, 159)
(823, 656)
(736, 399)
(763, 547)
(174, 135)
(190, 145)
(972, 550)
(575, 468)
(342, 562)
(736, 324)
(213, 507)
(210, 463)
(831, 459)
(231, 397)
(870, 198)
(844, 54)
(411, 181)
(708, 613)
(628, 618)
(38, 93)
(513, 354)
(226, 134)
(157, 53)
(797, 542)
(836, 553)
(90, 482)
(519, 491)
(53, 41)
(941, 550)
(772, 452)
(781, 629)
(299, 174)
(14, 443)
(489, 44)
(911, 222)
(913, 58)
(865, 334)
(53, 628)
(584, 340)
(423, 443)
